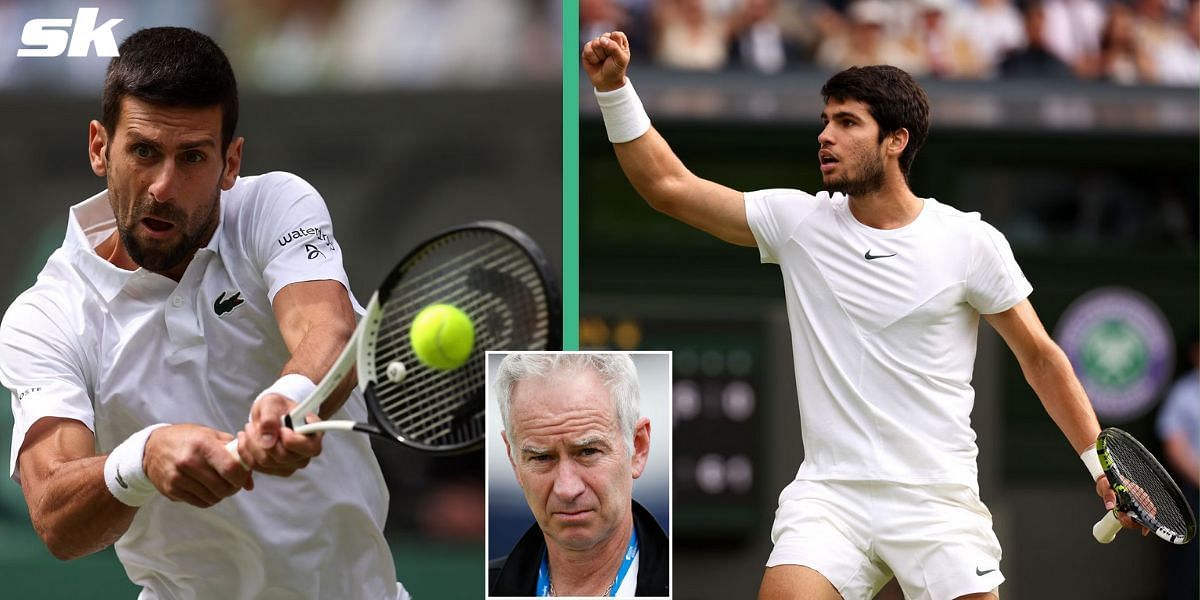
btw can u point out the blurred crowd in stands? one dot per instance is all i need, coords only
(1146, 42)
(298, 45)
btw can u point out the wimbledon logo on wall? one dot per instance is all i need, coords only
(1121, 348)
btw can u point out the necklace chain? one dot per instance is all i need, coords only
(607, 590)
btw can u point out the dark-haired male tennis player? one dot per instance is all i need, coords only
(179, 295)
(884, 292)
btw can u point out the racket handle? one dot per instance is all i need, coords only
(1105, 530)
(300, 416)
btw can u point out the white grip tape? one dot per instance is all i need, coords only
(1091, 460)
(624, 116)
(293, 386)
(123, 471)
(1106, 528)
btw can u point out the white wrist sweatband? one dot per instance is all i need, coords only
(293, 386)
(123, 471)
(1091, 460)
(624, 116)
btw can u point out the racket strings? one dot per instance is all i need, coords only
(421, 419)
(424, 418)
(437, 420)
(1149, 486)
(395, 345)
(426, 283)
(490, 278)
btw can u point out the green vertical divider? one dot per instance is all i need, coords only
(570, 174)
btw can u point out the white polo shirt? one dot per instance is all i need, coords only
(884, 328)
(119, 350)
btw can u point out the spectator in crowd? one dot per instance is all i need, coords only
(993, 28)
(1178, 426)
(1036, 60)
(1123, 60)
(689, 36)
(867, 40)
(936, 39)
(1072, 33)
(1167, 41)
(598, 16)
(1179, 64)
(759, 42)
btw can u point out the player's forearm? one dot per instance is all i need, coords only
(666, 184)
(73, 511)
(314, 356)
(1052, 378)
(654, 171)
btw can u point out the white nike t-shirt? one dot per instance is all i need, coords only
(119, 350)
(884, 328)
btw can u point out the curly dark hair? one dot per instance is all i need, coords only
(894, 99)
(171, 66)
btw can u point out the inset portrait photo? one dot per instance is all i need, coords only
(578, 474)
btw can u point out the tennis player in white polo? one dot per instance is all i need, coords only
(178, 296)
(884, 291)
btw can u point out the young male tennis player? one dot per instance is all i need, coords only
(884, 292)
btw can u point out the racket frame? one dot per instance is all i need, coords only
(366, 377)
(1107, 528)
(359, 353)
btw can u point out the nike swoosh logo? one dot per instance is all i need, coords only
(870, 256)
(223, 305)
(121, 480)
(982, 573)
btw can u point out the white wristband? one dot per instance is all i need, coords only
(293, 386)
(1091, 460)
(624, 116)
(123, 471)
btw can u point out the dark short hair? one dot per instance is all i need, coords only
(171, 66)
(894, 99)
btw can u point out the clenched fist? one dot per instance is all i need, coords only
(605, 60)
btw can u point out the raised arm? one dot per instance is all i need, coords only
(649, 163)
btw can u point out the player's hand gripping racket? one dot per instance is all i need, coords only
(490, 271)
(1143, 489)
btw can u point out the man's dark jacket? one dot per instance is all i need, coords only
(516, 574)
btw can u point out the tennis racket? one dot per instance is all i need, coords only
(1143, 489)
(489, 270)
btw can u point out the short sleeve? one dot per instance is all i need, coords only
(773, 215)
(994, 281)
(42, 371)
(293, 237)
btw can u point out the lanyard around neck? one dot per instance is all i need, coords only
(631, 552)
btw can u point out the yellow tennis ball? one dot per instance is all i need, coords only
(442, 336)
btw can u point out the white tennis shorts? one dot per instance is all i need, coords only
(936, 539)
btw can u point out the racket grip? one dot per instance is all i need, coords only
(232, 447)
(1105, 530)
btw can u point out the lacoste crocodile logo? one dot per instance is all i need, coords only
(224, 305)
